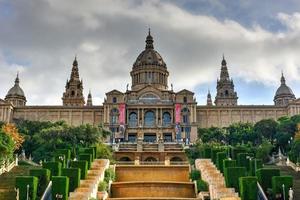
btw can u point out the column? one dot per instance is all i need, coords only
(156, 116)
(161, 116)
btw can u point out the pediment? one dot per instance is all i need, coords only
(114, 92)
(3, 101)
(186, 92)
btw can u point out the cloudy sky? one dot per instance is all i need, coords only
(39, 38)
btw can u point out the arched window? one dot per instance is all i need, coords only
(114, 114)
(185, 115)
(166, 119)
(114, 99)
(149, 118)
(133, 119)
(72, 93)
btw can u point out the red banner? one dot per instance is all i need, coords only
(177, 113)
(122, 113)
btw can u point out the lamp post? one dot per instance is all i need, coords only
(27, 194)
(283, 191)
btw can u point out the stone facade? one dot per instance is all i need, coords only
(150, 110)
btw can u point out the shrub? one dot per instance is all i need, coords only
(220, 157)
(103, 186)
(74, 177)
(195, 175)
(243, 161)
(21, 184)
(254, 165)
(82, 165)
(228, 163)
(214, 154)
(60, 187)
(248, 188)
(54, 167)
(109, 174)
(202, 186)
(104, 151)
(61, 158)
(232, 175)
(278, 181)
(265, 175)
(87, 157)
(236, 150)
(206, 152)
(65, 152)
(43, 176)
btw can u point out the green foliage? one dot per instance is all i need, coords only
(265, 175)
(278, 181)
(195, 175)
(236, 150)
(220, 157)
(54, 167)
(103, 186)
(87, 157)
(202, 186)
(248, 188)
(21, 184)
(263, 151)
(214, 152)
(60, 186)
(254, 165)
(109, 175)
(82, 165)
(241, 132)
(65, 152)
(43, 176)
(243, 160)
(104, 151)
(89, 151)
(228, 163)
(232, 175)
(212, 134)
(74, 177)
(267, 128)
(294, 154)
(61, 158)
(7, 146)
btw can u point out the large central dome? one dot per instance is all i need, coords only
(149, 68)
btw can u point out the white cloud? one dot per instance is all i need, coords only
(108, 35)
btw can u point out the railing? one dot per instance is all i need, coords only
(293, 165)
(47, 195)
(125, 162)
(179, 163)
(152, 163)
(7, 168)
(260, 193)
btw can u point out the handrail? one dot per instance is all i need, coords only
(7, 168)
(260, 193)
(47, 193)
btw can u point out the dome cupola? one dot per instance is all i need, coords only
(16, 94)
(284, 94)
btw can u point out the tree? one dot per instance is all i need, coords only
(12, 131)
(7, 146)
(266, 128)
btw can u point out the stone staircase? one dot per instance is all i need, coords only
(7, 181)
(152, 182)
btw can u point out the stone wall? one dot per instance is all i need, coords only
(72, 115)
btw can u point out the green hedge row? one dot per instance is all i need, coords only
(54, 167)
(43, 176)
(228, 163)
(248, 188)
(74, 177)
(214, 152)
(60, 158)
(220, 157)
(65, 152)
(278, 181)
(232, 175)
(60, 187)
(87, 157)
(82, 165)
(265, 175)
(88, 151)
(21, 184)
(254, 165)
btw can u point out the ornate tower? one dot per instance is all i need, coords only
(149, 68)
(209, 101)
(226, 96)
(16, 95)
(284, 94)
(73, 95)
(89, 99)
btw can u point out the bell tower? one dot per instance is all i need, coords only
(73, 96)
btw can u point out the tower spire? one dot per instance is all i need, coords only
(208, 101)
(282, 78)
(149, 40)
(89, 99)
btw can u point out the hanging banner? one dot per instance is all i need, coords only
(177, 113)
(122, 113)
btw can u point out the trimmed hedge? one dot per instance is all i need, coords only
(21, 184)
(65, 152)
(236, 150)
(57, 158)
(220, 157)
(89, 151)
(43, 176)
(232, 175)
(248, 188)
(265, 175)
(95, 151)
(278, 181)
(74, 177)
(242, 160)
(87, 157)
(214, 154)
(82, 165)
(206, 152)
(60, 187)
(253, 168)
(228, 163)
(54, 167)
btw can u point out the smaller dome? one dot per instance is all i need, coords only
(16, 90)
(283, 89)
